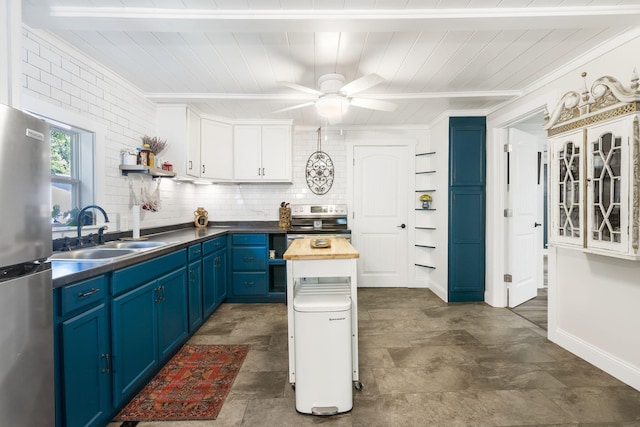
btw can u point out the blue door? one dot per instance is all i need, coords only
(467, 185)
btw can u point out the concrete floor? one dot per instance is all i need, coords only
(423, 363)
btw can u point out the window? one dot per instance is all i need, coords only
(72, 174)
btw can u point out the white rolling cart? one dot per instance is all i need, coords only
(322, 310)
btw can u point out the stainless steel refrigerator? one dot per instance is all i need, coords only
(26, 317)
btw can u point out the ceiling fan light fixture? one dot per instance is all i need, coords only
(331, 106)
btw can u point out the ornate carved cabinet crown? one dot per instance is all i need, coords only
(594, 170)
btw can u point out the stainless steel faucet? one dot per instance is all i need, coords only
(79, 220)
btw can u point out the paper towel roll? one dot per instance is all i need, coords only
(135, 220)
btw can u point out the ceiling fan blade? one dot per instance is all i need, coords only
(360, 84)
(300, 88)
(374, 104)
(294, 107)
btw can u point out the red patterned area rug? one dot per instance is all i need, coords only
(191, 386)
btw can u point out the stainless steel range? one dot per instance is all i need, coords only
(314, 220)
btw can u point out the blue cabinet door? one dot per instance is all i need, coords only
(195, 295)
(134, 339)
(172, 311)
(466, 209)
(85, 370)
(208, 284)
(214, 280)
(220, 274)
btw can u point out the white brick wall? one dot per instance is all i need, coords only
(56, 73)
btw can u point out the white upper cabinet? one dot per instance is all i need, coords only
(180, 126)
(594, 170)
(216, 150)
(262, 153)
(193, 144)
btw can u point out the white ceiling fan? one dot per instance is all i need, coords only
(334, 97)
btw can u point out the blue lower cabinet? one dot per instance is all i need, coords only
(196, 317)
(172, 312)
(255, 277)
(86, 372)
(214, 280)
(250, 283)
(220, 274)
(113, 332)
(82, 354)
(148, 324)
(134, 339)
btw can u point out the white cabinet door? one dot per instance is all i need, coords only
(247, 165)
(566, 186)
(193, 144)
(216, 150)
(607, 155)
(276, 153)
(262, 153)
(181, 128)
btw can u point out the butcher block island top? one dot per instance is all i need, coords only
(301, 249)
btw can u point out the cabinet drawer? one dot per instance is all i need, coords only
(129, 278)
(250, 283)
(213, 245)
(82, 294)
(194, 252)
(249, 239)
(249, 258)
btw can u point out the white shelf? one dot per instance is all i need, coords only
(154, 172)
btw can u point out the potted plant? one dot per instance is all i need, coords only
(426, 201)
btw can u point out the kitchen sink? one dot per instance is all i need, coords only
(92, 254)
(134, 245)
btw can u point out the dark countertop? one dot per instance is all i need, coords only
(66, 272)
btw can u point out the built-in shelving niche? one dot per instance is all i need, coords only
(423, 234)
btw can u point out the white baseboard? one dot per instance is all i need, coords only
(609, 363)
(439, 290)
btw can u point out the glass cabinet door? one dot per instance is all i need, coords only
(566, 189)
(608, 186)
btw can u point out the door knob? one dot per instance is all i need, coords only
(402, 226)
(536, 224)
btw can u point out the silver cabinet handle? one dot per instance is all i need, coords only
(157, 291)
(190, 164)
(86, 294)
(248, 258)
(203, 169)
(249, 283)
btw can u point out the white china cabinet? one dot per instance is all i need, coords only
(594, 169)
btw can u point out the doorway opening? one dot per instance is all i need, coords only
(526, 194)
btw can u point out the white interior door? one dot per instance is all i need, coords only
(379, 213)
(524, 246)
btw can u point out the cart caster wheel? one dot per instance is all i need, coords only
(358, 385)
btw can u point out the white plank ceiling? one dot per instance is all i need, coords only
(226, 57)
